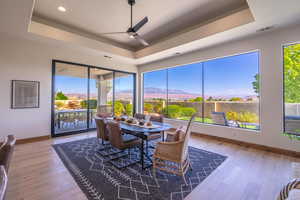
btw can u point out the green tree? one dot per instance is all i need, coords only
(292, 73)
(255, 84)
(197, 99)
(61, 96)
(236, 99)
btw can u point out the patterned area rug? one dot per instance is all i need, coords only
(100, 180)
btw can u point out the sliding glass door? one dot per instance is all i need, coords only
(80, 92)
(71, 83)
(101, 93)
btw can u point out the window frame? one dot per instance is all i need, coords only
(283, 89)
(203, 85)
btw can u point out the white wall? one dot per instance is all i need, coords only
(22, 59)
(271, 69)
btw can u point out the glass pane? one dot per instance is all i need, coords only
(155, 92)
(101, 93)
(124, 94)
(292, 88)
(185, 92)
(231, 89)
(71, 85)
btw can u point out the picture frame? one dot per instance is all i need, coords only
(25, 94)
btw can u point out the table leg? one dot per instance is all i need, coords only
(142, 154)
(163, 136)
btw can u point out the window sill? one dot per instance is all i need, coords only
(215, 125)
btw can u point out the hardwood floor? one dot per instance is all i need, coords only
(37, 173)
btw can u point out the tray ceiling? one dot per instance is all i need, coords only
(167, 18)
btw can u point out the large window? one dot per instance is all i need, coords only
(292, 88)
(155, 92)
(81, 91)
(222, 91)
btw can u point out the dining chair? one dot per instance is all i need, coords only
(173, 157)
(104, 114)
(6, 151)
(3, 182)
(121, 141)
(102, 132)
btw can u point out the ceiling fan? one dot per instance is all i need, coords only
(132, 31)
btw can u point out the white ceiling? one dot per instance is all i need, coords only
(166, 17)
(15, 19)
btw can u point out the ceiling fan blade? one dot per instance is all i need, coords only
(140, 39)
(140, 24)
(110, 33)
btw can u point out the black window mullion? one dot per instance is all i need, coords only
(88, 99)
(113, 100)
(167, 87)
(203, 96)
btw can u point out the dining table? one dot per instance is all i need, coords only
(143, 132)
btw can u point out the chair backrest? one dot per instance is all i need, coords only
(186, 138)
(157, 118)
(6, 151)
(104, 114)
(139, 116)
(115, 134)
(219, 118)
(3, 182)
(101, 128)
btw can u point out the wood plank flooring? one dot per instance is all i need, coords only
(37, 173)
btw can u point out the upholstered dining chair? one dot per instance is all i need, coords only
(121, 141)
(173, 157)
(104, 114)
(3, 182)
(6, 151)
(101, 130)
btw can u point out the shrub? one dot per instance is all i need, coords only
(158, 108)
(149, 108)
(92, 104)
(187, 111)
(231, 115)
(242, 116)
(129, 109)
(119, 108)
(248, 117)
(59, 105)
(73, 105)
(172, 111)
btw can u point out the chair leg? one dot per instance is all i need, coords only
(184, 179)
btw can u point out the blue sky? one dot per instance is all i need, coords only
(68, 84)
(222, 77)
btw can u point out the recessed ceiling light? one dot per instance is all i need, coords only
(62, 9)
(108, 57)
(267, 28)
